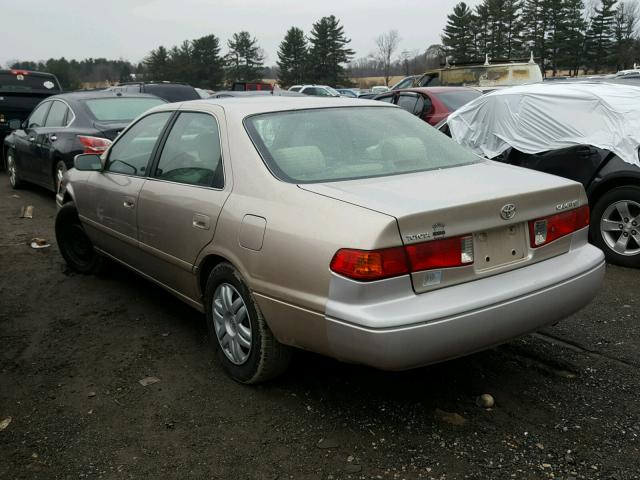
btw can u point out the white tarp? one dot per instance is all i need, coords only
(541, 117)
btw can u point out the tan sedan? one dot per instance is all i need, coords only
(344, 227)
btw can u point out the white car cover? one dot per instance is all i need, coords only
(541, 117)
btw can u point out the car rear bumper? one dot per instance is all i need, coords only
(398, 334)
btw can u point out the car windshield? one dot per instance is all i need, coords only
(120, 109)
(454, 100)
(333, 91)
(329, 144)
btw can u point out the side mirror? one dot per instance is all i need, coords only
(14, 124)
(88, 162)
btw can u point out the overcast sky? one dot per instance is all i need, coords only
(128, 29)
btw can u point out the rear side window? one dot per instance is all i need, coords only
(57, 115)
(329, 144)
(36, 119)
(131, 153)
(120, 109)
(192, 153)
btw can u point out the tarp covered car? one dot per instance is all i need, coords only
(588, 132)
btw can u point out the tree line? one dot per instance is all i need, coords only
(562, 34)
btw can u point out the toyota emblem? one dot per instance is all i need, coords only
(508, 211)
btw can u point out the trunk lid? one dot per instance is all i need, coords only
(466, 200)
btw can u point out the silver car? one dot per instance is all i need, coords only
(344, 227)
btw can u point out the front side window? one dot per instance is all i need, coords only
(330, 144)
(192, 152)
(131, 153)
(36, 119)
(57, 115)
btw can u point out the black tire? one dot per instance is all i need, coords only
(74, 244)
(630, 194)
(59, 169)
(12, 170)
(267, 358)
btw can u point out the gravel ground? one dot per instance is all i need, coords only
(73, 350)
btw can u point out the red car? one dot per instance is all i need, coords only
(431, 104)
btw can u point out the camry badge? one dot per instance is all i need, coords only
(508, 211)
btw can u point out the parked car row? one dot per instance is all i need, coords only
(344, 226)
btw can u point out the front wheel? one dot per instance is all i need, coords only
(246, 347)
(74, 244)
(12, 170)
(615, 225)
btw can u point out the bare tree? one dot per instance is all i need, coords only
(387, 45)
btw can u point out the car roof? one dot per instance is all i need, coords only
(241, 107)
(601, 114)
(93, 94)
(437, 89)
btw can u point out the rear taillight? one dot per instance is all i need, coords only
(367, 265)
(94, 144)
(546, 230)
(370, 264)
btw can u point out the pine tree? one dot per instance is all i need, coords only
(180, 63)
(513, 28)
(245, 57)
(292, 58)
(482, 31)
(328, 52)
(458, 38)
(600, 36)
(626, 22)
(156, 64)
(535, 22)
(572, 38)
(206, 62)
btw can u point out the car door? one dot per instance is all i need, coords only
(179, 204)
(46, 138)
(108, 206)
(26, 142)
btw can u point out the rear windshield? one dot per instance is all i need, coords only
(328, 144)
(26, 82)
(120, 109)
(172, 93)
(454, 100)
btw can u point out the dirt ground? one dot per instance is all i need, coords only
(73, 349)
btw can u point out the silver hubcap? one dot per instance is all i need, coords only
(11, 167)
(232, 324)
(620, 227)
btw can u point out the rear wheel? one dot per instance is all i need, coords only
(12, 170)
(615, 225)
(246, 347)
(73, 242)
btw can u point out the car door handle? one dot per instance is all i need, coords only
(128, 204)
(32, 139)
(200, 221)
(53, 138)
